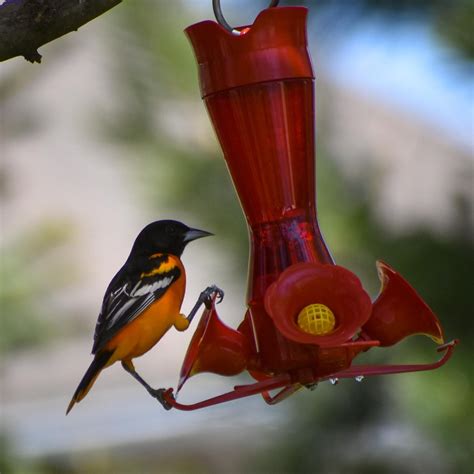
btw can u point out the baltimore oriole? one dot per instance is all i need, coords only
(142, 302)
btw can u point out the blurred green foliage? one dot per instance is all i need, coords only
(12, 464)
(455, 23)
(130, 461)
(29, 274)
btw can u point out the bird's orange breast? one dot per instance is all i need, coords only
(146, 330)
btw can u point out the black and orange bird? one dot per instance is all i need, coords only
(142, 302)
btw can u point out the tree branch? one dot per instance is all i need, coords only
(25, 25)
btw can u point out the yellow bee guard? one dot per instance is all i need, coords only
(316, 319)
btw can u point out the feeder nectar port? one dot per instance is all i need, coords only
(316, 319)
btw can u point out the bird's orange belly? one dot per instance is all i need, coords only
(144, 332)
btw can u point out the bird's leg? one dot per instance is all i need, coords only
(206, 298)
(155, 393)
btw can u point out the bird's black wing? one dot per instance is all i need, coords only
(126, 298)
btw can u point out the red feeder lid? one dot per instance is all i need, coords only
(273, 48)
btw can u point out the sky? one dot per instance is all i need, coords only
(405, 64)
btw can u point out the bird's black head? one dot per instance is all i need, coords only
(165, 236)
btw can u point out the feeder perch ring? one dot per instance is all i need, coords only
(216, 6)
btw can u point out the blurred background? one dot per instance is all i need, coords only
(109, 133)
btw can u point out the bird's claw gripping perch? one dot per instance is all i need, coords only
(207, 295)
(159, 394)
(205, 298)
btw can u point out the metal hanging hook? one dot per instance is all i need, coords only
(216, 6)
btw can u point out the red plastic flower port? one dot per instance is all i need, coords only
(337, 290)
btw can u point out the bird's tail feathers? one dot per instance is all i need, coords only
(99, 362)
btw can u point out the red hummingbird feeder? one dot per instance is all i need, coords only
(307, 318)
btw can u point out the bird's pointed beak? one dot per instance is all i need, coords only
(193, 234)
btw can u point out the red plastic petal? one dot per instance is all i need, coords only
(215, 347)
(399, 311)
